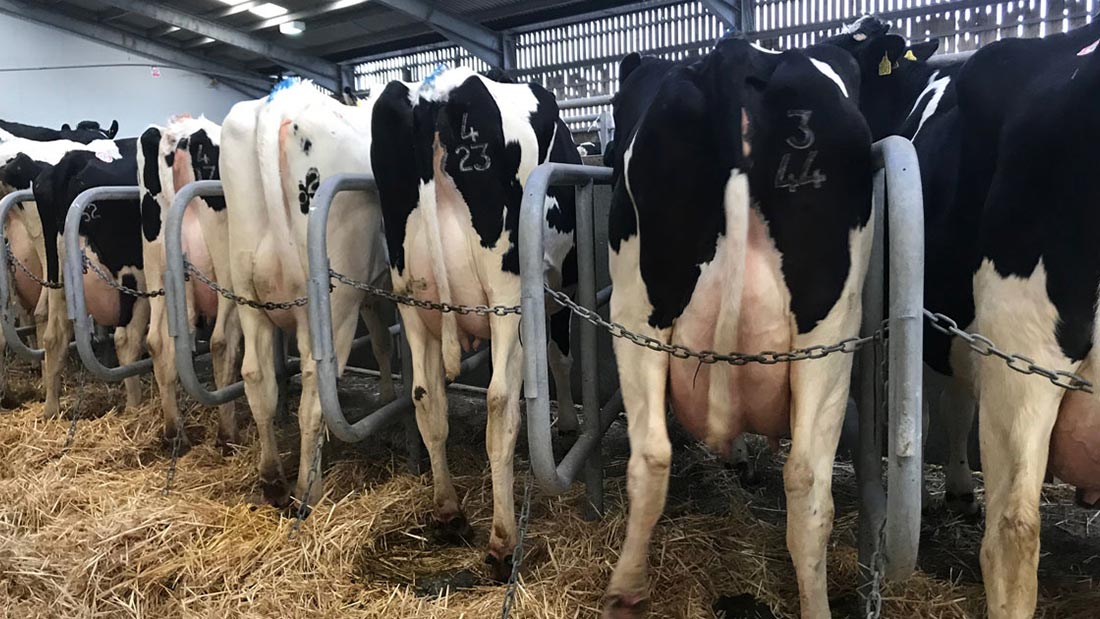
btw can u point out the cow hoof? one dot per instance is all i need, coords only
(168, 443)
(743, 606)
(500, 570)
(964, 505)
(621, 606)
(276, 493)
(1088, 499)
(747, 475)
(454, 532)
(227, 444)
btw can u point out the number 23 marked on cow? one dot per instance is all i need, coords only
(483, 161)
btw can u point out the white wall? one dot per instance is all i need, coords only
(51, 97)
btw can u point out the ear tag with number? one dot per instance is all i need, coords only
(884, 65)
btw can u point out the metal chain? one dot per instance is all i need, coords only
(479, 310)
(872, 608)
(1024, 365)
(170, 475)
(768, 357)
(71, 435)
(238, 299)
(14, 263)
(517, 554)
(314, 469)
(110, 281)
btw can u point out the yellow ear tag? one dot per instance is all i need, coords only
(884, 65)
(909, 55)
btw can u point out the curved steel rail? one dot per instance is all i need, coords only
(320, 322)
(7, 316)
(175, 297)
(83, 326)
(557, 478)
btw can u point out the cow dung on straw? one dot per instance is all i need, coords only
(90, 533)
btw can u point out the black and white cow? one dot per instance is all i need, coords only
(86, 131)
(905, 93)
(740, 221)
(274, 153)
(451, 158)
(1009, 239)
(170, 157)
(21, 161)
(111, 235)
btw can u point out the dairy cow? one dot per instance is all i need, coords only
(451, 157)
(740, 221)
(110, 233)
(86, 131)
(169, 158)
(906, 92)
(1009, 238)
(21, 161)
(274, 154)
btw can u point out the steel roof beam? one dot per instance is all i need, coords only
(323, 72)
(731, 12)
(480, 41)
(250, 84)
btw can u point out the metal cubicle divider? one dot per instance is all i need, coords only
(7, 316)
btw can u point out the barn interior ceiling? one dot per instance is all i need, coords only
(247, 43)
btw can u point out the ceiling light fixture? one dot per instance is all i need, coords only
(292, 28)
(268, 10)
(232, 2)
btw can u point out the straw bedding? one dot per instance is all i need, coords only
(88, 532)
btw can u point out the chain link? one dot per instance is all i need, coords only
(517, 554)
(479, 310)
(872, 606)
(768, 357)
(72, 434)
(170, 475)
(110, 281)
(14, 263)
(238, 299)
(1024, 365)
(314, 470)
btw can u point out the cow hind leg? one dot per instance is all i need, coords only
(643, 376)
(128, 341)
(958, 409)
(430, 400)
(55, 339)
(1018, 417)
(561, 367)
(819, 399)
(225, 352)
(162, 349)
(501, 431)
(262, 390)
(382, 346)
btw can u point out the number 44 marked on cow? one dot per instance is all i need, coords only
(475, 150)
(803, 140)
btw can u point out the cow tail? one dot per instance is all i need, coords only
(720, 433)
(452, 349)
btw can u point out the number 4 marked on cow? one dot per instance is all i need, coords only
(467, 134)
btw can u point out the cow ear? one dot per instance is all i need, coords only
(881, 54)
(627, 65)
(113, 131)
(922, 51)
(66, 127)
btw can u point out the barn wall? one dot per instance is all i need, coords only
(42, 94)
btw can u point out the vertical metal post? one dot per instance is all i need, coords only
(606, 129)
(590, 388)
(906, 352)
(745, 16)
(872, 495)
